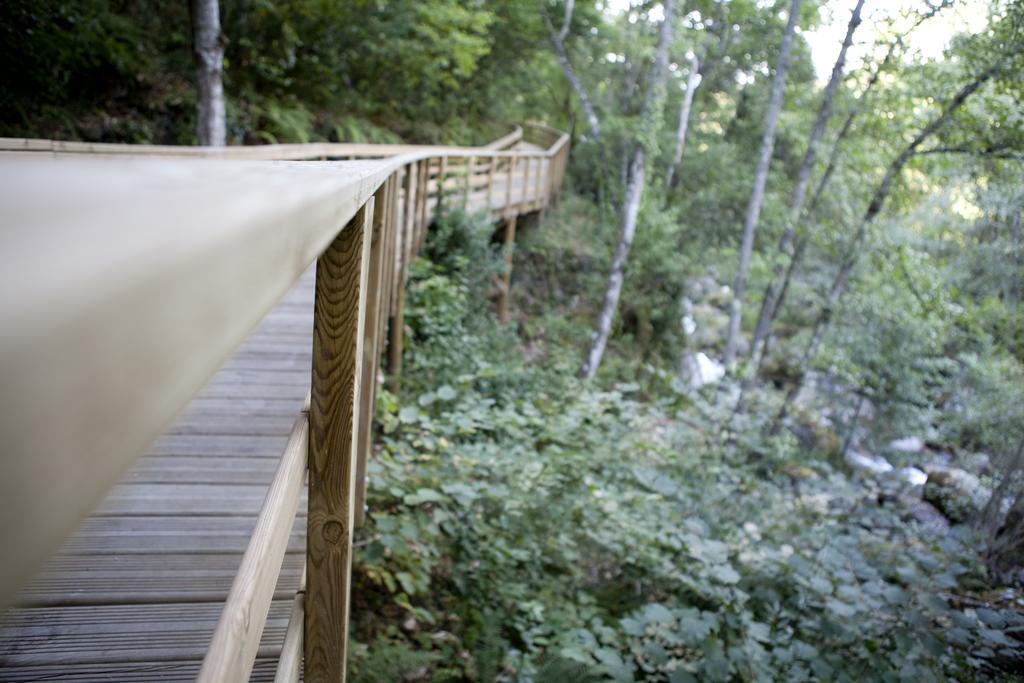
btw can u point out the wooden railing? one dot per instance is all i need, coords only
(130, 274)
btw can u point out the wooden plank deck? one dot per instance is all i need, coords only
(136, 592)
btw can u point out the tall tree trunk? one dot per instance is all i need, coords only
(760, 178)
(878, 198)
(768, 316)
(650, 115)
(208, 49)
(1012, 284)
(558, 43)
(692, 82)
(803, 177)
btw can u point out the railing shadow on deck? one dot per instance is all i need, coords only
(130, 274)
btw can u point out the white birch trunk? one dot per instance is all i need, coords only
(558, 43)
(692, 83)
(772, 303)
(796, 204)
(208, 48)
(878, 199)
(649, 114)
(630, 212)
(760, 178)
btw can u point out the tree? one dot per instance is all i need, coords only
(878, 199)
(775, 292)
(208, 49)
(764, 159)
(650, 113)
(558, 43)
(796, 204)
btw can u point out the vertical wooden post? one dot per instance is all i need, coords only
(422, 211)
(490, 183)
(506, 289)
(470, 169)
(441, 174)
(338, 324)
(508, 188)
(371, 346)
(539, 185)
(524, 200)
(390, 264)
(397, 324)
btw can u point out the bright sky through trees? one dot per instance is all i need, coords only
(826, 38)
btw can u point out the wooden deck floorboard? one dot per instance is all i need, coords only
(135, 593)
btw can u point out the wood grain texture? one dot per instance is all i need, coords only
(289, 664)
(339, 314)
(236, 639)
(368, 364)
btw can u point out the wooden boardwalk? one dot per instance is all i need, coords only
(140, 589)
(136, 592)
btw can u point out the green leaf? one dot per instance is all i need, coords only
(839, 608)
(725, 574)
(408, 584)
(424, 496)
(632, 627)
(656, 613)
(446, 393)
(996, 637)
(609, 657)
(990, 617)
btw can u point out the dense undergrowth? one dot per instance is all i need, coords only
(527, 526)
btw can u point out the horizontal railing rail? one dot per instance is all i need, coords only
(129, 277)
(276, 152)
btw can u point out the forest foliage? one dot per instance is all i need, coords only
(529, 524)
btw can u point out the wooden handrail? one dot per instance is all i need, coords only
(125, 284)
(280, 152)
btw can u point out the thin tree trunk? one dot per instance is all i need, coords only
(854, 421)
(769, 316)
(1011, 282)
(692, 82)
(630, 211)
(760, 178)
(649, 115)
(208, 49)
(878, 198)
(991, 515)
(796, 203)
(558, 43)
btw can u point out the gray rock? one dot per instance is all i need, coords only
(912, 476)
(926, 514)
(699, 288)
(711, 326)
(978, 463)
(721, 297)
(869, 463)
(908, 444)
(701, 369)
(957, 494)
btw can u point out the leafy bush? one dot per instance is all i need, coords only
(524, 525)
